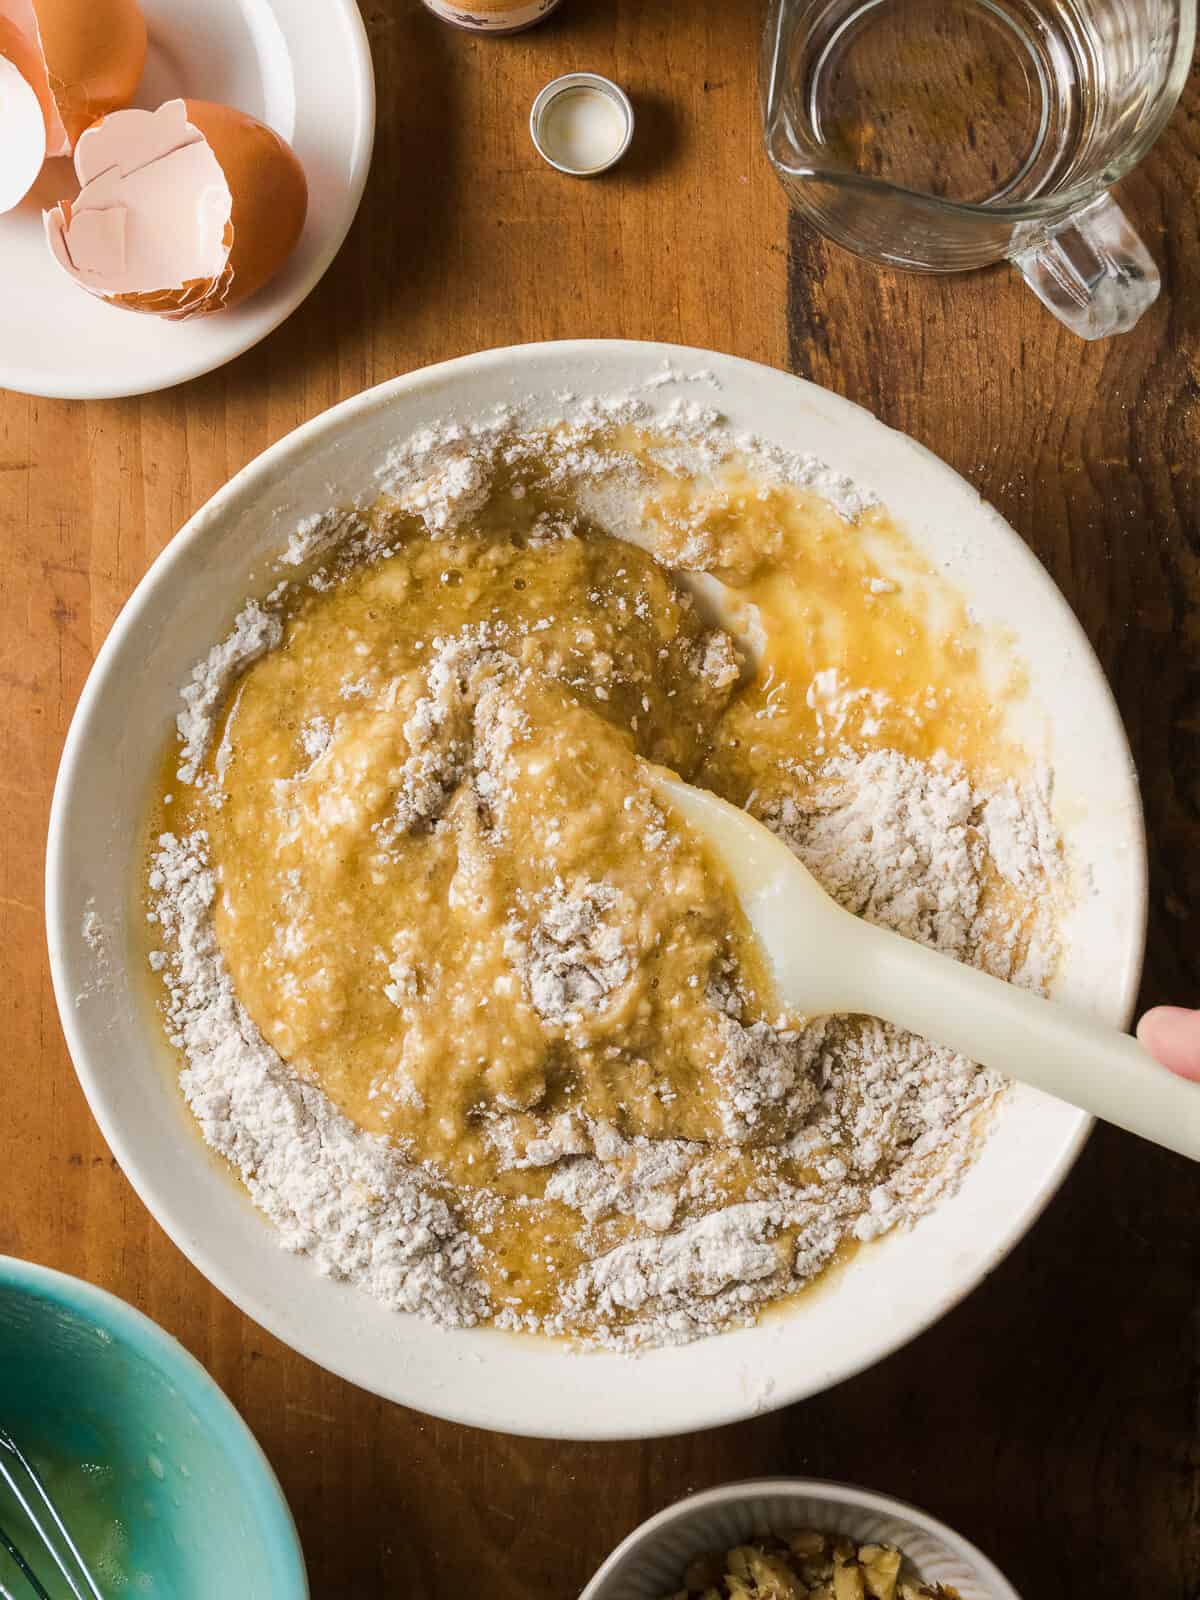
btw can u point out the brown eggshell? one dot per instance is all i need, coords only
(24, 55)
(198, 297)
(95, 51)
(269, 189)
(264, 189)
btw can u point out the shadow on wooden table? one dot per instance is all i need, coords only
(393, 262)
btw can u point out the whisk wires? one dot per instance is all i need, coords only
(26, 1487)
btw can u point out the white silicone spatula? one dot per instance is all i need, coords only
(826, 961)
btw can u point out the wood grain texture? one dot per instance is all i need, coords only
(1053, 1415)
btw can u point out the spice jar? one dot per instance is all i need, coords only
(492, 16)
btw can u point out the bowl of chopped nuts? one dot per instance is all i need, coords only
(796, 1539)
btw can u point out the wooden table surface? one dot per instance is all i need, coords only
(1053, 1416)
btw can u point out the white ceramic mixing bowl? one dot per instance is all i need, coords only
(187, 601)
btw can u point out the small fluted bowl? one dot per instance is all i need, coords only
(650, 1563)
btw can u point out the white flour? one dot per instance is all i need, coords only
(343, 1196)
(573, 957)
(255, 631)
(891, 1117)
(445, 473)
(882, 1121)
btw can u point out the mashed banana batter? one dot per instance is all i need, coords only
(448, 891)
(449, 899)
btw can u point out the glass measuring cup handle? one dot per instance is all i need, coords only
(1092, 271)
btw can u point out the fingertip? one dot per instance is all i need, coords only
(1172, 1036)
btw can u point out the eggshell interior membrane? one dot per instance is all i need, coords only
(153, 210)
(92, 53)
(22, 135)
(181, 211)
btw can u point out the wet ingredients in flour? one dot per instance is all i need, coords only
(480, 1027)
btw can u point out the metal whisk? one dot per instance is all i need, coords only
(55, 1544)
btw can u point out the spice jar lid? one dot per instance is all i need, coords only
(581, 123)
(496, 17)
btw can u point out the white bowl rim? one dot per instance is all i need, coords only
(709, 1412)
(828, 1489)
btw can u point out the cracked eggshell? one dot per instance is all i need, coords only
(83, 59)
(182, 211)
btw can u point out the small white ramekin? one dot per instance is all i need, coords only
(650, 1563)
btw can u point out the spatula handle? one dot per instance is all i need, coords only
(1040, 1042)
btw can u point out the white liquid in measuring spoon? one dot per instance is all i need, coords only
(582, 129)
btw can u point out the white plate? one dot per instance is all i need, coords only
(304, 69)
(890, 1291)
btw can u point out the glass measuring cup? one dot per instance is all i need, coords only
(940, 135)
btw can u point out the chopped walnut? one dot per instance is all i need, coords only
(807, 1565)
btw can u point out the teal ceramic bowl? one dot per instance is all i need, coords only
(163, 1485)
